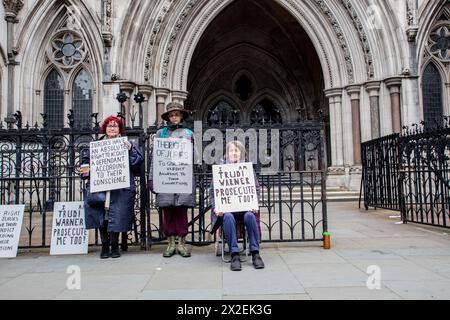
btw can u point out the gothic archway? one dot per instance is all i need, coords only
(251, 48)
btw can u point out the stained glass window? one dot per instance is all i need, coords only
(432, 96)
(54, 100)
(82, 99)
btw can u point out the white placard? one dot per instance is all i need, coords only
(234, 187)
(172, 165)
(110, 165)
(69, 234)
(11, 218)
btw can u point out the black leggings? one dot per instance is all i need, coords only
(108, 237)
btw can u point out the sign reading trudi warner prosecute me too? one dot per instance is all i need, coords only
(110, 165)
(69, 235)
(172, 165)
(234, 188)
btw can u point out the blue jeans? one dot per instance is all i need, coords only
(229, 231)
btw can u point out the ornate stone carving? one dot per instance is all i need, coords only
(67, 49)
(155, 30)
(362, 37)
(173, 37)
(13, 7)
(411, 20)
(340, 37)
(107, 22)
(439, 42)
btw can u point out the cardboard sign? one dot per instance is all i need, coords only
(69, 235)
(110, 165)
(172, 165)
(11, 218)
(234, 188)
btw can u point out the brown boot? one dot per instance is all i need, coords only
(182, 249)
(171, 247)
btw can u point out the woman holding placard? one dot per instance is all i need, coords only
(111, 211)
(174, 205)
(235, 153)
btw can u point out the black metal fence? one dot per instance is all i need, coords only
(410, 173)
(40, 166)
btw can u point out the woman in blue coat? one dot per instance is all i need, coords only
(115, 215)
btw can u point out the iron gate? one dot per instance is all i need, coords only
(410, 173)
(40, 166)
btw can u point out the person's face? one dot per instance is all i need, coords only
(234, 154)
(112, 130)
(175, 117)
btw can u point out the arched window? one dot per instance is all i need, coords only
(265, 112)
(243, 88)
(223, 113)
(54, 100)
(82, 100)
(432, 96)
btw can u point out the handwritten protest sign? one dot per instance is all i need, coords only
(234, 187)
(172, 165)
(11, 218)
(110, 165)
(69, 235)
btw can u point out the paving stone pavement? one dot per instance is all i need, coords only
(413, 263)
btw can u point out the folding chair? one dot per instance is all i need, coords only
(242, 238)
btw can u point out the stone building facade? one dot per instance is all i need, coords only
(370, 66)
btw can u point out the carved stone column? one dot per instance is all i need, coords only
(394, 86)
(179, 96)
(148, 113)
(373, 88)
(161, 97)
(354, 93)
(128, 88)
(12, 9)
(336, 132)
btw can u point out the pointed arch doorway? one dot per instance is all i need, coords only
(256, 58)
(255, 66)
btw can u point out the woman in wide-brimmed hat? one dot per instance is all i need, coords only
(175, 206)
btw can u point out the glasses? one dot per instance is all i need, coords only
(112, 126)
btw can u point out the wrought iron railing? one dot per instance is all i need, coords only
(40, 166)
(410, 173)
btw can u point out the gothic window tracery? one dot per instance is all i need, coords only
(67, 55)
(436, 69)
(265, 112)
(223, 113)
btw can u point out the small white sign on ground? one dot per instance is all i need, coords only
(69, 234)
(110, 165)
(172, 165)
(234, 188)
(11, 218)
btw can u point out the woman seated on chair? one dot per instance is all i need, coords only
(235, 153)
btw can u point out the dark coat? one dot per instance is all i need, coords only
(121, 211)
(175, 199)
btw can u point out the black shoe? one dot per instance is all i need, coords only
(104, 254)
(257, 261)
(115, 252)
(236, 263)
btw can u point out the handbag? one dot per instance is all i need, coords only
(96, 199)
